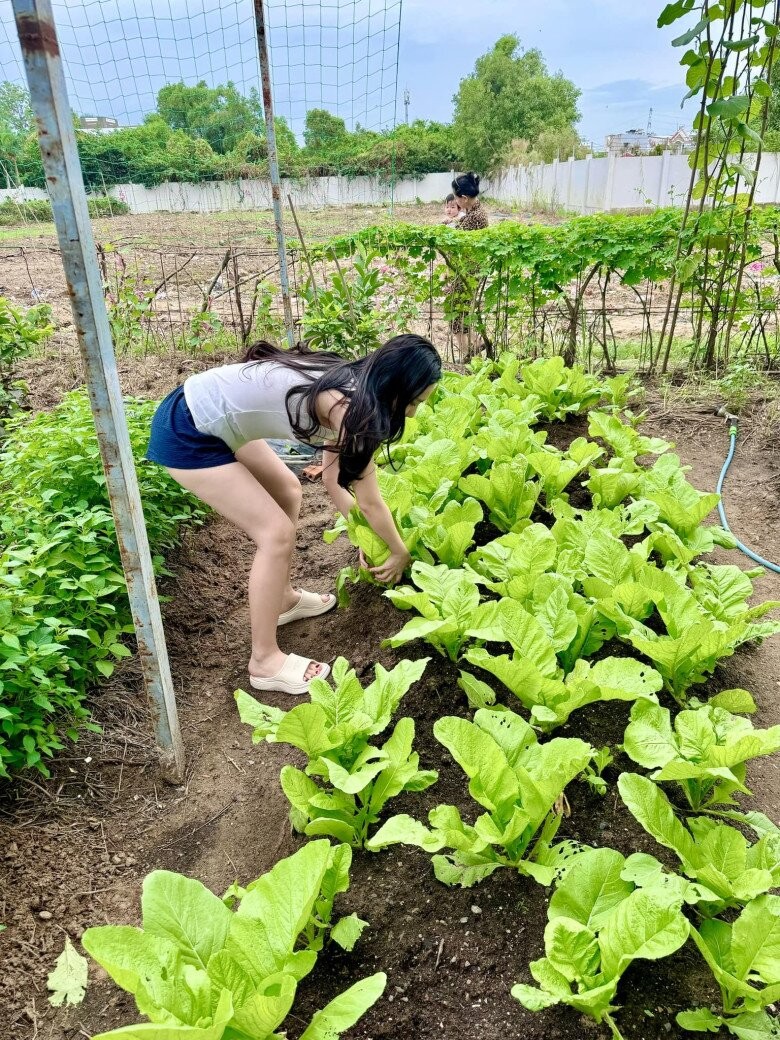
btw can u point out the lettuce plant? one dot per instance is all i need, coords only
(627, 591)
(448, 606)
(624, 440)
(552, 699)
(746, 1026)
(744, 957)
(507, 435)
(509, 490)
(320, 927)
(512, 564)
(727, 869)
(354, 778)
(704, 752)
(199, 971)
(598, 924)
(533, 672)
(448, 534)
(556, 469)
(561, 390)
(593, 774)
(517, 781)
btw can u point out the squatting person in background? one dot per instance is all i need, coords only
(210, 435)
(474, 217)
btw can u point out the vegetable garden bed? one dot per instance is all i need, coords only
(452, 955)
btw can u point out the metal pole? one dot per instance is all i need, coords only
(273, 166)
(49, 98)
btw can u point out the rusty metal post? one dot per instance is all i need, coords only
(273, 166)
(49, 98)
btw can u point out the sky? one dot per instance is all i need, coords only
(341, 54)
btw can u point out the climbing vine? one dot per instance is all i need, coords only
(729, 52)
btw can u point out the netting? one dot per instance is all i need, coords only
(170, 93)
(354, 44)
(172, 141)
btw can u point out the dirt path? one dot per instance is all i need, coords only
(74, 849)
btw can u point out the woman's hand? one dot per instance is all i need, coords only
(391, 571)
(362, 561)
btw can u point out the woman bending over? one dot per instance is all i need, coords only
(210, 435)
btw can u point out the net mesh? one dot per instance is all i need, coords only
(195, 258)
(334, 70)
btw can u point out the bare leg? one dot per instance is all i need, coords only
(237, 495)
(285, 489)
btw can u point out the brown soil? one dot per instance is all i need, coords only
(75, 848)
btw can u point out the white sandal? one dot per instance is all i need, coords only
(290, 678)
(311, 604)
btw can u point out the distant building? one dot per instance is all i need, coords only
(678, 143)
(640, 142)
(630, 142)
(98, 124)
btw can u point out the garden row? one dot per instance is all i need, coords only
(64, 615)
(547, 286)
(572, 577)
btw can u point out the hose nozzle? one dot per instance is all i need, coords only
(724, 413)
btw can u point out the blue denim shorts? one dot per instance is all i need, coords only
(176, 442)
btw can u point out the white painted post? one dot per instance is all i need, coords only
(663, 181)
(569, 182)
(586, 188)
(610, 185)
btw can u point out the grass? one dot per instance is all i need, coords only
(17, 234)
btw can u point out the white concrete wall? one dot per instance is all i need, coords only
(577, 186)
(308, 193)
(22, 194)
(614, 183)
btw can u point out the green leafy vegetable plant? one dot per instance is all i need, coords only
(598, 924)
(593, 774)
(320, 926)
(20, 333)
(64, 615)
(448, 606)
(517, 781)
(705, 751)
(354, 778)
(701, 627)
(727, 869)
(509, 491)
(744, 957)
(199, 971)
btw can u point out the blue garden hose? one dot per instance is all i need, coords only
(733, 430)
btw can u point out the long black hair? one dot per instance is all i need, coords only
(466, 184)
(379, 388)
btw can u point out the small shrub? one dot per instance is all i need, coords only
(38, 211)
(63, 606)
(20, 332)
(106, 206)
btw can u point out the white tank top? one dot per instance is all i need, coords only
(245, 402)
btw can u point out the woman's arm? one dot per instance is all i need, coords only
(339, 496)
(380, 519)
(366, 493)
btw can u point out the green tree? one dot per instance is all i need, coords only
(249, 157)
(323, 131)
(774, 101)
(772, 136)
(509, 95)
(219, 115)
(16, 125)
